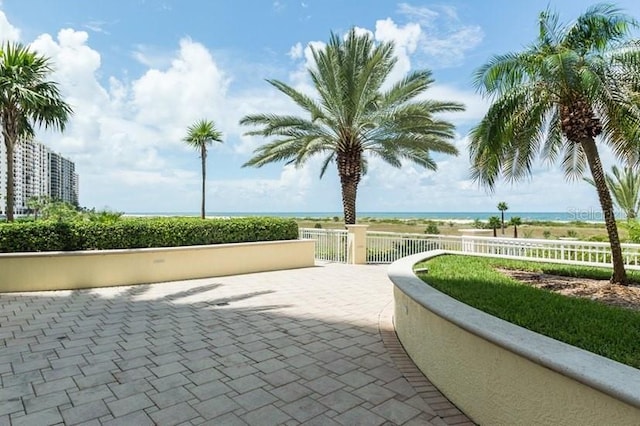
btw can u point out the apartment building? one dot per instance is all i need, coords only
(38, 171)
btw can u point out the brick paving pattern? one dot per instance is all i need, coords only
(312, 346)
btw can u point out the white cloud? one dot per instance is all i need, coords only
(290, 189)
(296, 51)
(193, 87)
(444, 39)
(405, 40)
(97, 27)
(152, 57)
(7, 31)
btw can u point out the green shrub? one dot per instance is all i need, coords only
(633, 226)
(432, 228)
(140, 233)
(318, 225)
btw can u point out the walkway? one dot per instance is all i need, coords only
(312, 346)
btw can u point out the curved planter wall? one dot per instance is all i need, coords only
(500, 373)
(85, 269)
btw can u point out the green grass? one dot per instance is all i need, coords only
(608, 331)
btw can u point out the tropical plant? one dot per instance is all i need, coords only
(60, 211)
(625, 188)
(555, 98)
(515, 221)
(353, 114)
(200, 135)
(27, 98)
(36, 203)
(494, 223)
(502, 206)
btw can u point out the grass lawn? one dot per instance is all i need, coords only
(601, 329)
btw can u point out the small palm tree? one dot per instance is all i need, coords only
(573, 85)
(625, 188)
(27, 98)
(502, 206)
(353, 115)
(494, 223)
(37, 203)
(200, 135)
(515, 221)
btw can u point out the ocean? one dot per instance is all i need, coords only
(567, 216)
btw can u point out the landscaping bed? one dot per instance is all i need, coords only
(534, 295)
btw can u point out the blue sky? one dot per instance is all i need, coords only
(138, 72)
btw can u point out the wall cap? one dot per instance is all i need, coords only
(608, 376)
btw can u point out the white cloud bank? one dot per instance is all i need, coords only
(125, 134)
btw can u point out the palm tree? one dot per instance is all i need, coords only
(26, 98)
(555, 98)
(515, 221)
(494, 223)
(200, 135)
(502, 206)
(37, 203)
(352, 114)
(625, 188)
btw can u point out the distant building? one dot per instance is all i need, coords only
(38, 171)
(63, 180)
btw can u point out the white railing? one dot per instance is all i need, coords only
(564, 251)
(331, 244)
(386, 247)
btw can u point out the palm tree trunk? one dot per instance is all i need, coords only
(349, 192)
(515, 231)
(591, 151)
(502, 220)
(495, 233)
(10, 179)
(203, 156)
(349, 172)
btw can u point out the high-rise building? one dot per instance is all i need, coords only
(63, 180)
(37, 171)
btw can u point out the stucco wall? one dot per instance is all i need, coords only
(86, 269)
(498, 373)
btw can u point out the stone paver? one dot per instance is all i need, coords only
(310, 346)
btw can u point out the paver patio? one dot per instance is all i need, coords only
(311, 346)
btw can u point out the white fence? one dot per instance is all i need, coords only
(386, 247)
(331, 244)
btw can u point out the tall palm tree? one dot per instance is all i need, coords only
(26, 98)
(201, 135)
(555, 98)
(502, 206)
(352, 114)
(625, 188)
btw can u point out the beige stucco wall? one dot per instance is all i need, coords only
(85, 269)
(510, 384)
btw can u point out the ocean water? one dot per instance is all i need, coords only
(567, 216)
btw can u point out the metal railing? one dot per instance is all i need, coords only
(386, 247)
(331, 244)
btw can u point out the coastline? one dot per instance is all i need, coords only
(448, 217)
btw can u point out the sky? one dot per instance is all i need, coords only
(137, 73)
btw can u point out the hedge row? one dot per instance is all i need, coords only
(140, 233)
